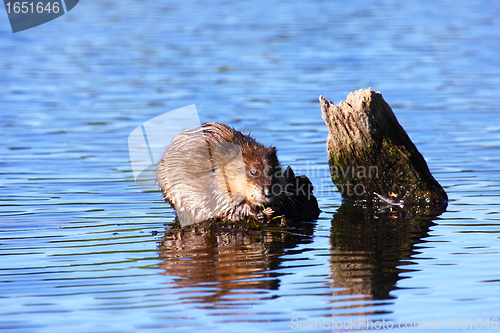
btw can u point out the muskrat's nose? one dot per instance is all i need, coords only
(267, 192)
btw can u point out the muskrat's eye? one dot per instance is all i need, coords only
(253, 173)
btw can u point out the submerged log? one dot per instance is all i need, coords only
(371, 157)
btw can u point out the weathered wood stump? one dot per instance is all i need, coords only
(371, 157)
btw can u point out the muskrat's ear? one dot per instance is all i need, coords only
(289, 174)
(272, 151)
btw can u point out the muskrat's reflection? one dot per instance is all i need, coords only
(369, 247)
(227, 261)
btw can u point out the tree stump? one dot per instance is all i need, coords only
(371, 157)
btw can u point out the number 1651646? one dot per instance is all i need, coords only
(26, 7)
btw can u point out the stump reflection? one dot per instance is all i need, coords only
(370, 246)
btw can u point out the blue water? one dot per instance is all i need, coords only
(83, 249)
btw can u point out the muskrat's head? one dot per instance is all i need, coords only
(263, 174)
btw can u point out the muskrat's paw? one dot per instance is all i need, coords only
(268, 212)
(265, 214)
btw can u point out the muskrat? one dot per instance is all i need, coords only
(215, 171)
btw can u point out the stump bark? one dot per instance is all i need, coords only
(372, 158)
